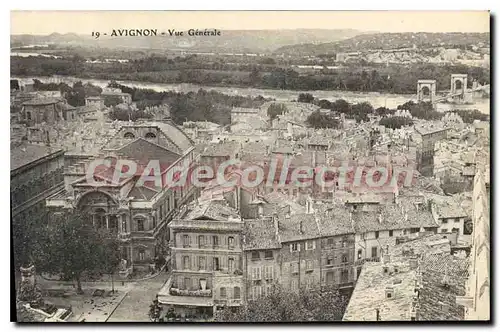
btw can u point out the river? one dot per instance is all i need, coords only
(374, 98)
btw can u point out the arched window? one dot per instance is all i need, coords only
(150, 136)
(223, 292)
(426, 91)
(458, 85)
(100, 218)
(129, 135)
(28, 115)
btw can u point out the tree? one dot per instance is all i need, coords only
(155, 310)
(396, 122)
(112, 100)
(314, 304)
(305, 98)
(276, 109)
(74, 246)
(319, 120)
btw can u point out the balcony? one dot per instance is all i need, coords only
(364, 260)
(185, 292)
(228, 302)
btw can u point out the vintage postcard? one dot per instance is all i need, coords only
(260, 166)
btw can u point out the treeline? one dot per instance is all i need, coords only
(75, 95)
(401, 79)
(192, 106)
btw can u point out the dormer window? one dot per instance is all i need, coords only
(129, 135)
(150, 136)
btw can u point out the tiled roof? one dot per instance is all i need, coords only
(221, 149)
(370, 294)
(213, 210)
(298, 227)
(436, 301)
(28, 153)
(42, 101)
(334, 220)
(260, 234)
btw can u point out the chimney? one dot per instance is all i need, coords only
(276, 223)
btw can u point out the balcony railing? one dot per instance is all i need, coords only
(185, 292)
(364, 260)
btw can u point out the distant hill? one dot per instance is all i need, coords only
(371, 41)
(230, 41)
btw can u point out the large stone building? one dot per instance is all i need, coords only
(38, 110)
(138, 210)
(427, 136)
(36, 172)
(206, 260)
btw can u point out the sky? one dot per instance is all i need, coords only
(84, 22)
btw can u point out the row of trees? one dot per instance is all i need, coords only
(75, 95)
(192, 106)
(310, 305)
(394, 78)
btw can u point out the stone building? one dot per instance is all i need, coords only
(36, 172)
(206, 259)
(38, 110)
(95, 102)
(136, 209)
(427, 138)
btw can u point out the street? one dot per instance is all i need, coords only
(135, 305)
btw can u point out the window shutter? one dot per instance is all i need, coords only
(271, 272)
(314, 244)
(290, 247)
(259, 273)
(298, 247)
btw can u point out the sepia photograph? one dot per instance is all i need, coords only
(250, 166)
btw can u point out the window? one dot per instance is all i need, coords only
(294, 247)
(329, 278)
(201, 263)
(129, 135)
(187, 283)
(374, 252)
(444, 230)
(186, 264)
(391, 233)
(256, 273)
(230, 242)
(237, 293)
(294, 267)
(216, 266)
(360, 253)
(344, 258)
(376, 234)
(142, 254)
(330, 241)
(310, 265)
(310, 245)
(256, 292)
(344, 276)
(455, 230)
(185, 240)
(124, 223)
(150, 136)
(329, 261)
(268, 254)
(414, 230)
(201, 241)
(255, 255)
(140, 225)
(230, 264)
(269, 272)
(215, 241)
(445, 221)
(223, 292)
(294, 285)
